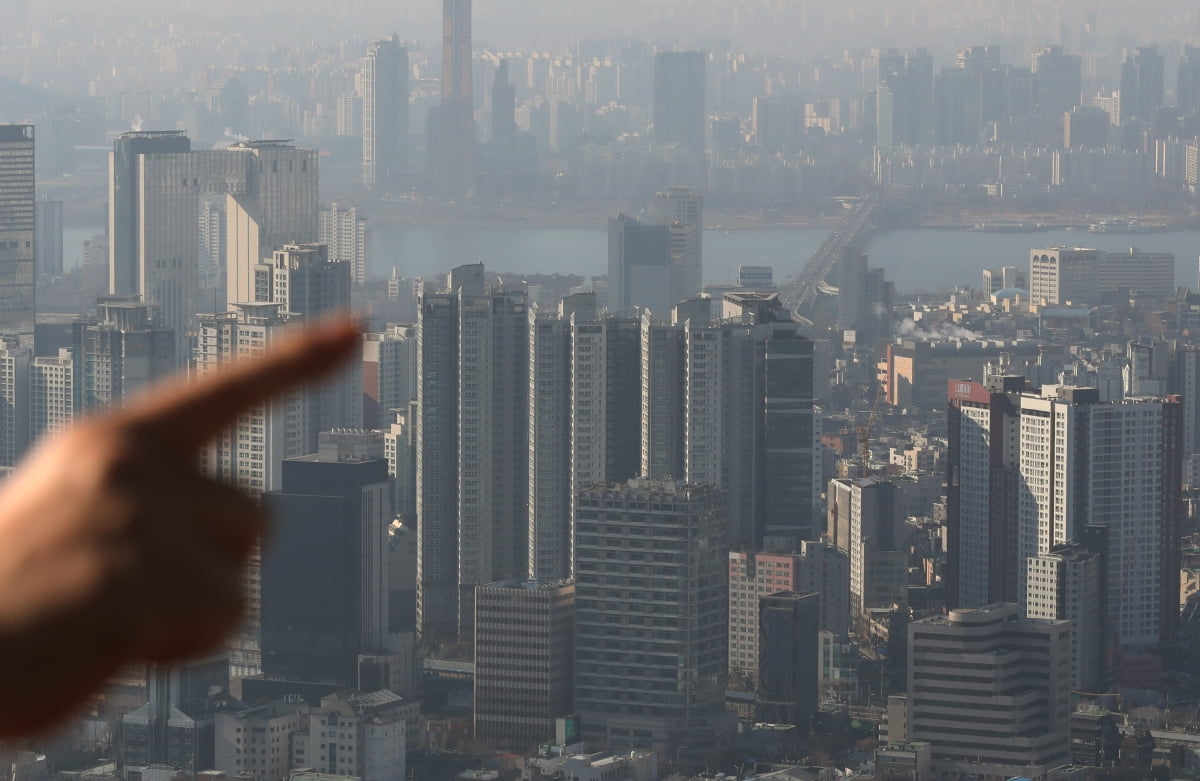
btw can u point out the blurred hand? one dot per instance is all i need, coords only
(115, 548)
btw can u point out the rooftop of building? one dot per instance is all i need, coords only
(524, 584)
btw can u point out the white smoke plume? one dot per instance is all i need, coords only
(136, 124)
(936, 332)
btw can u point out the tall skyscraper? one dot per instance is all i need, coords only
(660, 685)
(455, 169)
(1187, 89)
(472, 451)
(981, 492)
(346, 234)
(17, 230)
(1010, 715)
(385, 113)
(639, 266)
(504, 103)
(324, 573)
(1141, 83)
(680, 115)
(276, 204)
(682, 210)
(524, 659)
(1057, 81)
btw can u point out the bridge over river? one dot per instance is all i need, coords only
(800, 292)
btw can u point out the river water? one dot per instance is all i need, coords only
(915, 259)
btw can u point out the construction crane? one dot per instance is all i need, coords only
(864, 432)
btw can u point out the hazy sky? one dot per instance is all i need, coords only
(775, 25)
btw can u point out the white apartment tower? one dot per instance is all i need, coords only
(346, 234)
(1113, 469)
(1061, 275)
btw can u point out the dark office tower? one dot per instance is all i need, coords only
(118, 351)
(639, 266)
(660, 683)
(679, 109)
(1141, 83)
(1057, 81)
(385, 113)
(788, 658)
(455, 173)
(472, 446)
(17, 272)
(504, 104)
(1187, 89)
(48, 238)
(663, 370)
(982, 491)
(324, 570)
(918, 64)
(787, 431)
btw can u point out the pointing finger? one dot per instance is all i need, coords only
(183, 414)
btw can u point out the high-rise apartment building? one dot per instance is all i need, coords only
(865, 521)
(385, 113)
(660, 682)
(1060, 275)
(1141, 83)
(584, 418)
(504, 105)
(15, 357)
(818, 567)
(306, 282)
(789, 658)
(48, 237)
(454, 159)
(1067, 582)
(730, 404)
(325, 572)
(51, 394)
(117, 351)
(524, 660)
(990, 691)
(472, 451)
(981, 491)
(389, 374)
(1115, 465)
(346, 234)
(17, 232)
(250, 453)
(679, 103)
